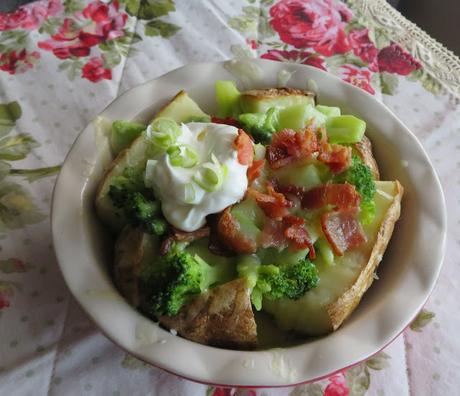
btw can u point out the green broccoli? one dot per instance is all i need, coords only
(360, 175)
(273, 282)
(175, 277)
(139, 210)
(260, 125)
(123, 133)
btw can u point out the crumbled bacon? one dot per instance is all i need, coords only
(274, 204)
(272, 235)
(182, 236)
(297, 234)
(290, 231)
(343, 230)
(255, 170)
(289, 146)
(339, 195)
(230, 234)
(244, 147)
(335, 156)
(227, 120)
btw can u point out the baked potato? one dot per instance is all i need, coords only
(223, 314)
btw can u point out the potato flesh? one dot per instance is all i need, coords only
(308, 315)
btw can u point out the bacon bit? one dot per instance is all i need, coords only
(272, 235)
(274, 204)
(342, 196)
(289, 146)
(182, 236)
(245, 148)
(230, 234)
(227, 120)
(296, 233)
(290, 231)
(255, 170)
(335, 156)
(343, 230)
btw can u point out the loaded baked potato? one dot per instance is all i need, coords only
(274, 204)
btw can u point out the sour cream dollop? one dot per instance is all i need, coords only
(183, 202)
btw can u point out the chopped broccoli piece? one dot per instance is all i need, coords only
(273, 282)
(175, 277)
(123, 133)
(139, 210)
(260, 125)
(360, 175)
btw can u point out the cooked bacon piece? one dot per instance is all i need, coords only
(182, 236)
(255, 170)
(245, 148)
(272, 235)
(230, 234)
(340, 195)
(289, 146)
(227, 120)
(274, 204)
(343, 230)
(290, 231)
(335, 156)
(297, 234)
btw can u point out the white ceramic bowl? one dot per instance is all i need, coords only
(407, 273)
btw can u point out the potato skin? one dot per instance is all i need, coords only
(220, 317)
(340, 309)
(132, 249)
(364, 149)
(276, 92)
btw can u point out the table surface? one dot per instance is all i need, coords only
(62, 62)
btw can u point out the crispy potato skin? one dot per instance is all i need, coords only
(364, 149)
(129, 253)
(340, 309)
(221, 317)
(276, 92)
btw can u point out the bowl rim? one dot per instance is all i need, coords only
(200, 379)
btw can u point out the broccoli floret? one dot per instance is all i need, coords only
(273, 282)
(260, 125)
(139, 210)
(360, 175)
(178, 275)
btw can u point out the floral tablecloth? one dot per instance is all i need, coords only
(63, 61)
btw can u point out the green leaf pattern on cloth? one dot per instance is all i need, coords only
(88, 38)
(17, 208)
(422, 319)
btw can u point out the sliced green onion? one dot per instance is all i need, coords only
(167, 126)
(163, 133)
(183, 156)
(211, 175)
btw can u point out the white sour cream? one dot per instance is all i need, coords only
(172, 183)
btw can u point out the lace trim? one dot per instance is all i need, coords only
(439, 62)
